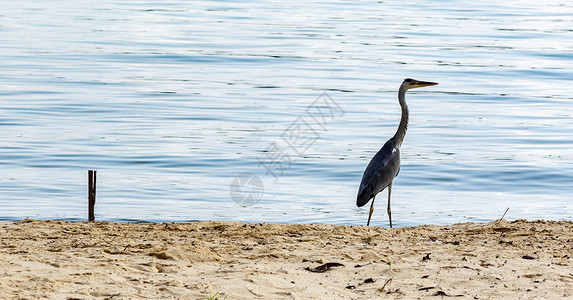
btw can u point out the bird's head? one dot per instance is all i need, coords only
(410, 83)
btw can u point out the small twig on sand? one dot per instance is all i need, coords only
(388, 280)
(499, 220)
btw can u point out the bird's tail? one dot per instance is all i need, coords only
(363, 198)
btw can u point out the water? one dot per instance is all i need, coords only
(172, 100)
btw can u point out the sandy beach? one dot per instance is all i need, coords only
(230, 260)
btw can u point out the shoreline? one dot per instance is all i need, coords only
(502, 259)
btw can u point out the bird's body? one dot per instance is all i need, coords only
(380, 172)
(385, 165)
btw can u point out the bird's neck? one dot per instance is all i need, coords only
(401, 132)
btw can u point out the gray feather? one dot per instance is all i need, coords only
(380, 172)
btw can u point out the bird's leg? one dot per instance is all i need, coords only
(388, 210)
(371, 211)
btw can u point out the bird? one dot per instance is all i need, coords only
(385, 165)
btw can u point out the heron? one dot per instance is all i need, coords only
(385, 165)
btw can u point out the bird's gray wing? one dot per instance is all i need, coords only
(379, 173)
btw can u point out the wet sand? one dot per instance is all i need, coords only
(103, 260)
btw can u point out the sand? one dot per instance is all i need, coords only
(232, 260)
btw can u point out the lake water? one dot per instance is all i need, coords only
(187, 108)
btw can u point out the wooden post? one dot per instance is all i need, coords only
(91, 194)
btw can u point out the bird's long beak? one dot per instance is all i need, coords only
(424, 83)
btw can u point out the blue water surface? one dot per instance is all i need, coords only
(171, 101)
